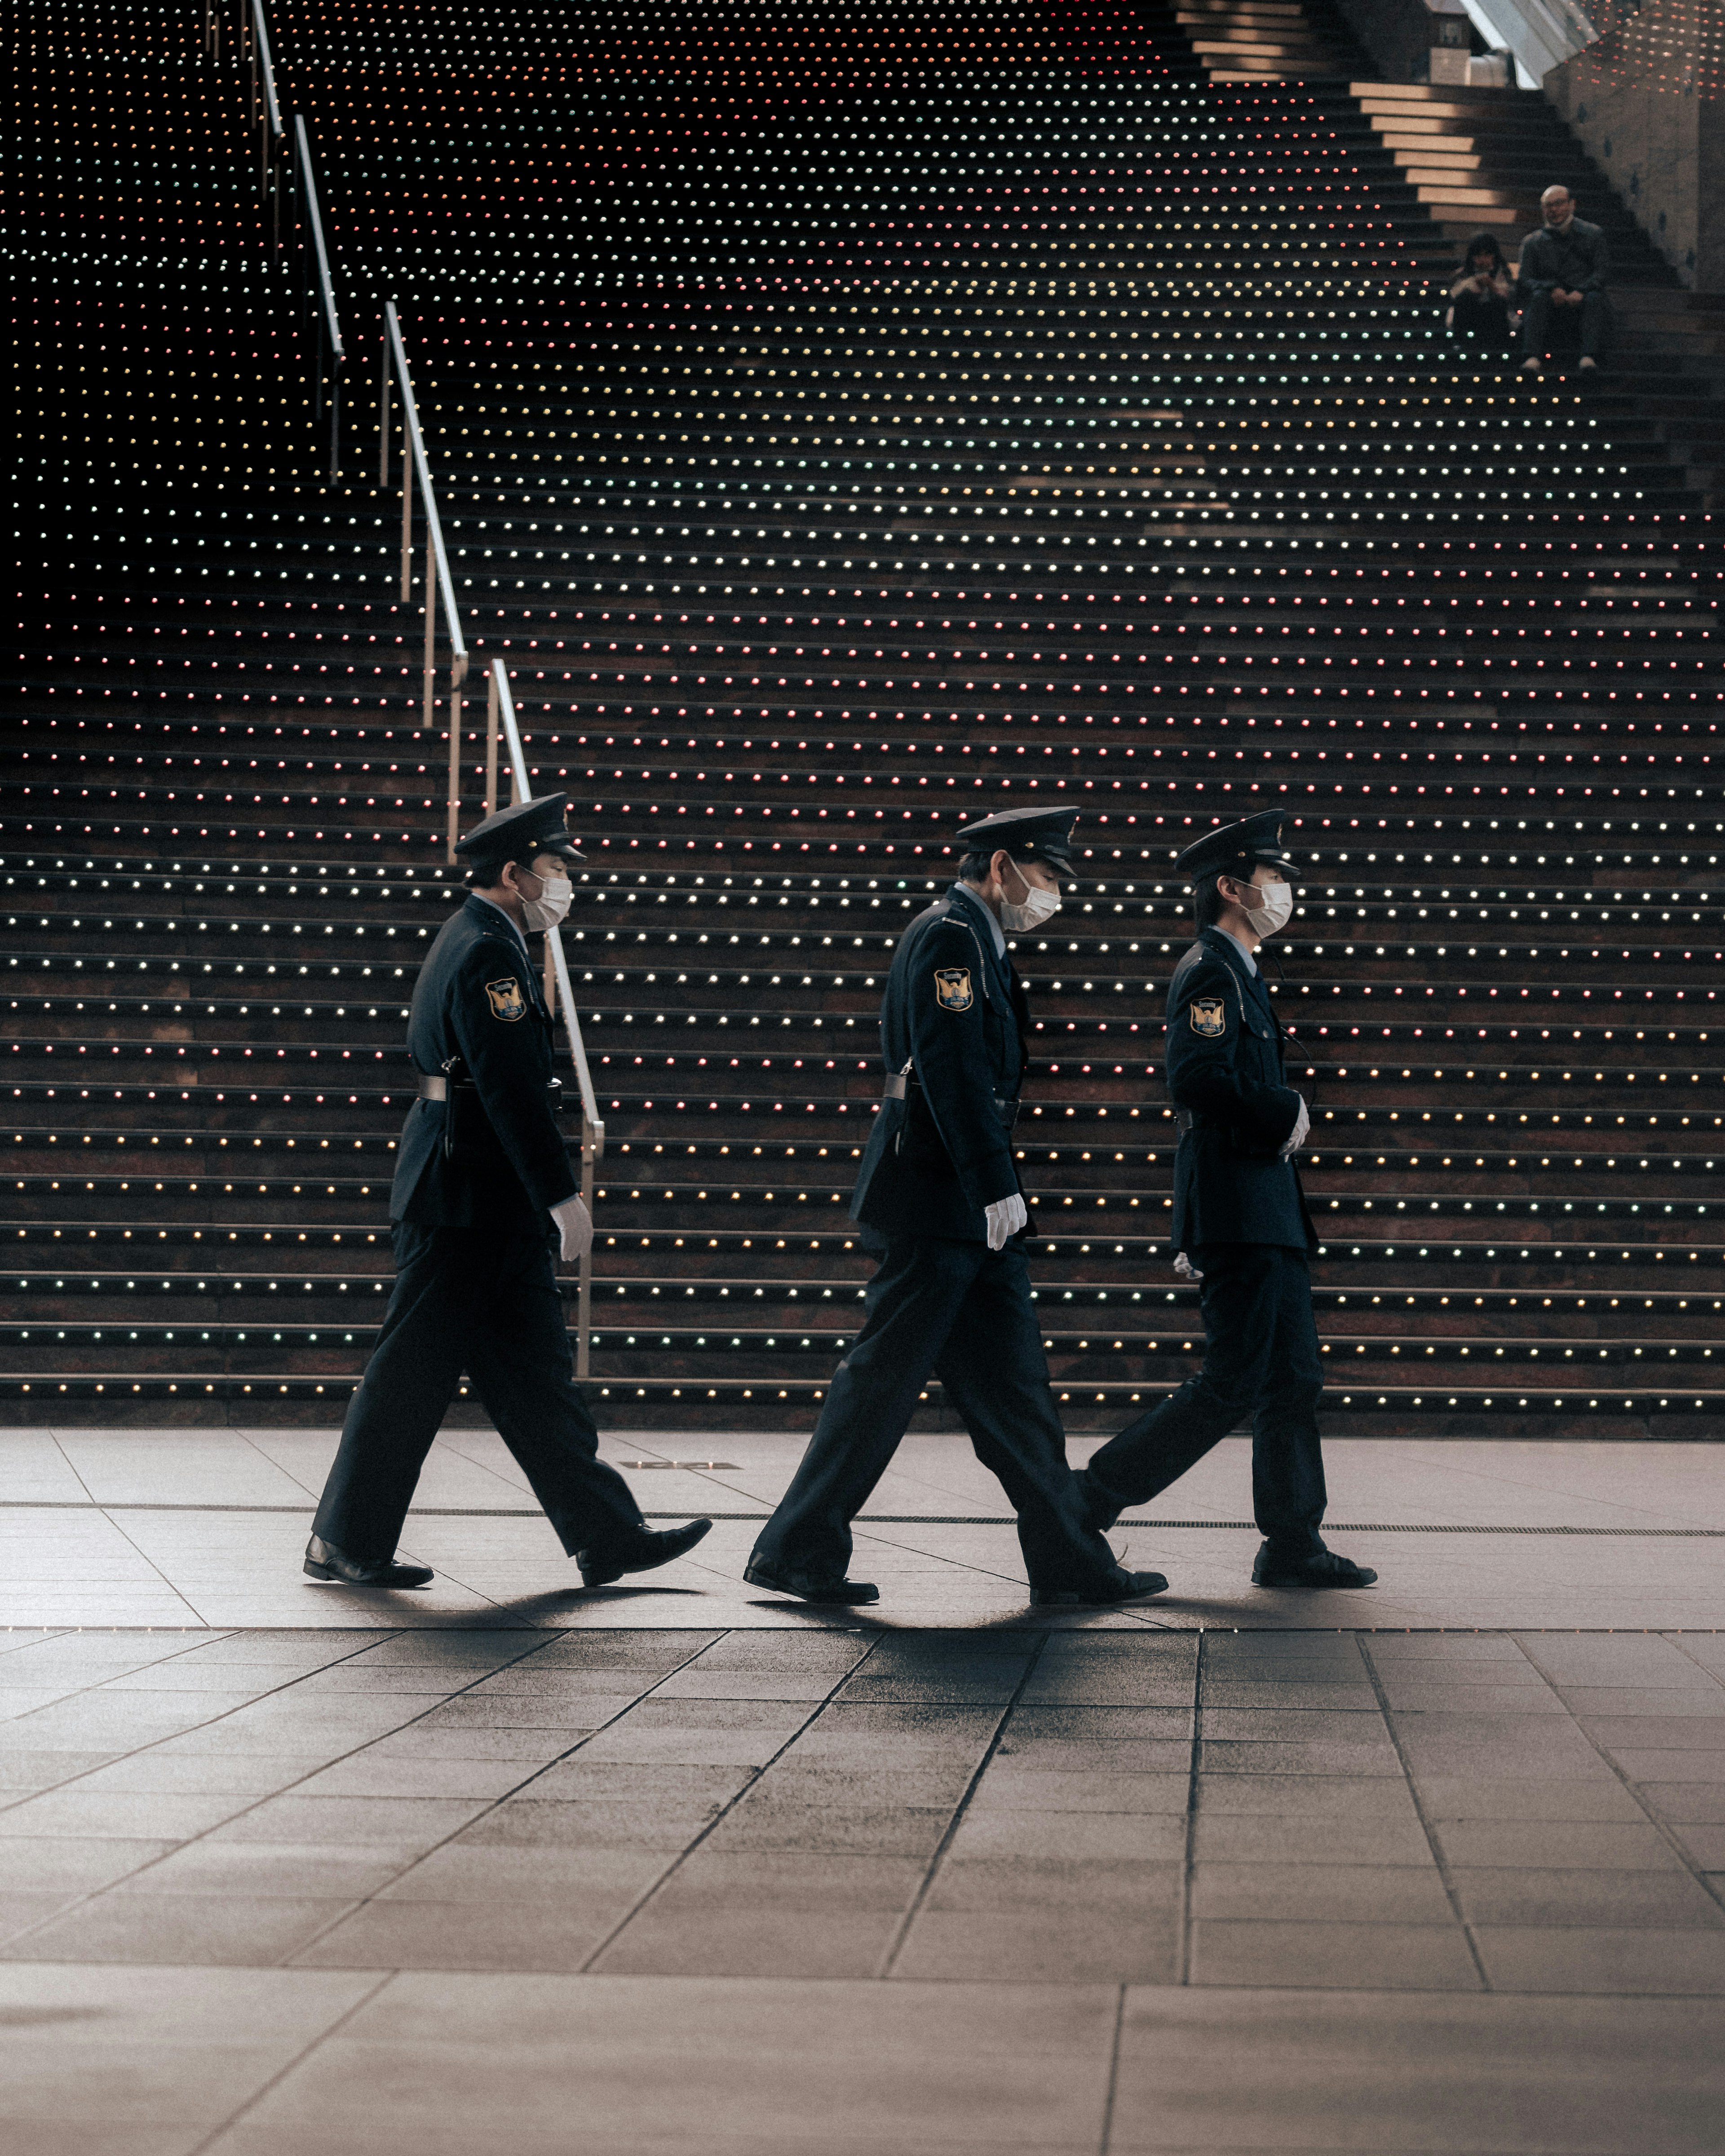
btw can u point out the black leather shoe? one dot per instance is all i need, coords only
(324, 1561)
(780, 1579)
(1323, 1568)
(1119, 1586)
(648, 1551)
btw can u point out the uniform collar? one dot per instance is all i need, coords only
(1231, 948)
(963, 891)
(1251, 963)
(491, 905)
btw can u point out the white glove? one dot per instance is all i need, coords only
(1297, 1138)
(575, 1226)
(1185, 1270)
(1005, 1217)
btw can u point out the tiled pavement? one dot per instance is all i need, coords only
(507, 1867)
(205, 1527)
(782, 1889)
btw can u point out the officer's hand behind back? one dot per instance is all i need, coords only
(575, 1226)
(1005, 1217)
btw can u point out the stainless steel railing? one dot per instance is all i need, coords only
(502, 730)
(501, 710)
(262, 109)
(437, 581)
(285, 168)
(317, 290)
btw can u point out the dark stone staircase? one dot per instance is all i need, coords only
(1029, 419)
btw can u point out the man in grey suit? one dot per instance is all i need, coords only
(1565, 266)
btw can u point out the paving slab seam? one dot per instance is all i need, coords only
(139, 1751)
(1446, 1877)
(386, 1977)
(1188, 1866)
(1111, 2090)
(893, 1519)
(191, 1840)
(725, 1810)
(901, 1933)
(79, 1691)
(131, 1541)
(1711, 1884)
(587, 1736)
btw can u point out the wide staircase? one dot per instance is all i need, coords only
(1479, 160)
(842, 423)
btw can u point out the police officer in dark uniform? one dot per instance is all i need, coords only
(1240, 1226)
(940, 1206)
(483, 1199)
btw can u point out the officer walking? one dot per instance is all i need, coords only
(940, 1203)
(1240, 1227)
(482, 1195)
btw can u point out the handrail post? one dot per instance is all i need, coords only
(406, 526)
(383, 419)
(431, 641)
(491, 745)
(458, 675)
(583, 1277)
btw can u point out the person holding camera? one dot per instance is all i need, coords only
(940, 1204)
(483, 1202)
(1241, 1228)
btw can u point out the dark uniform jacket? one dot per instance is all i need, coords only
(1578, 260)
(479, 998)
(1225, 1075)
(957, 1013)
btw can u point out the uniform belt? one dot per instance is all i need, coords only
(898, 1088)
(437, 1088)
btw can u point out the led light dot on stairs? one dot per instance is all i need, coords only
(842, 421)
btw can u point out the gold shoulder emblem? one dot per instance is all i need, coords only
(1209, 1017)
(507, 1001)
(951, 987)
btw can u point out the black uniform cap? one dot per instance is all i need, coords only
(1028, 835)
(518, 833)
(1237, 849)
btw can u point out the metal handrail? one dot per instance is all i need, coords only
(262, 111)
(437, 561)
(329, 326)
(264, 69)
(501, 705)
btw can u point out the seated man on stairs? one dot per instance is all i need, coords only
(1563, 270)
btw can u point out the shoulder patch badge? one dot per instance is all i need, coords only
(1209, 1017)
(507, 1001)
(951, 987)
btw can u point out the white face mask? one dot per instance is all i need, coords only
(1036, 907)
(1276, 910)
(556, 895)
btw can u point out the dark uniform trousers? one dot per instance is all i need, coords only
(487, 1301)
(964, 1313)
(1261, 1360)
